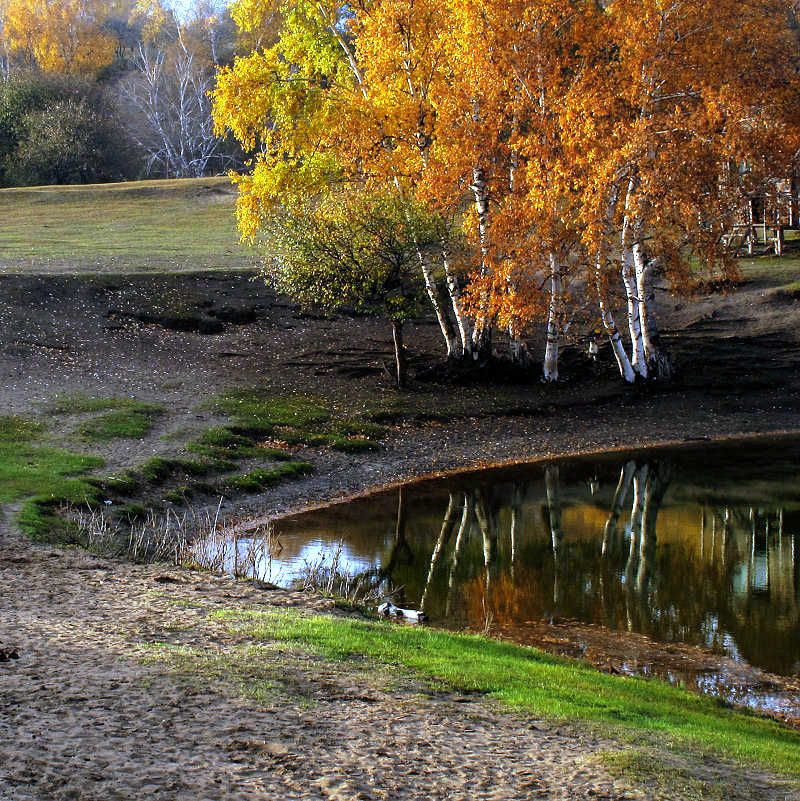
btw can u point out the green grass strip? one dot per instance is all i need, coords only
(42, 476)
(542, 685)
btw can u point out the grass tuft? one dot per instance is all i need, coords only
(133, 421)
(258, 480)
(252, 413)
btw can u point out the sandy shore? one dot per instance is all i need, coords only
(88, 713)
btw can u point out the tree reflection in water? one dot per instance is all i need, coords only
(696, 547)
(621, 551)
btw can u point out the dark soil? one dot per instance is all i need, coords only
(179, 340)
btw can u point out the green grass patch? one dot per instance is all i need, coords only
(141, 226)
(540, 684)
(258, 480)
(158, 469)
(297, 420)
(777, 271)
(133, 421)
(354, 445)
(83, 404)
(28, 467)
(253, 413)
(41, 475)
(180, 496)
(125, 484)
(131, 512)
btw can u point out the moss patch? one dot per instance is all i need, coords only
(258, 480)
(132, 421)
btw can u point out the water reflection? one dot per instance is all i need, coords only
(696, 548)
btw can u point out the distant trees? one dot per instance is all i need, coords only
(134, 93)
(60, 129)
(66, 37)
(583, 148)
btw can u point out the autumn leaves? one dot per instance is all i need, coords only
(570, 150)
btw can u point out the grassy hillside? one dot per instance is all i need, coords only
(141, 226)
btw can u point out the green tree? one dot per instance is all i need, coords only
(60, 129)
(353, 249)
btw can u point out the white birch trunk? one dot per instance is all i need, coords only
(481, 333)
(463, 323)
(606, 317)
(550, 367)
(614, 337)
(434, 295)
(638, 359)
(644, 296)
(658, 361)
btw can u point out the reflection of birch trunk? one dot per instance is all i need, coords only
(637, 513)
(553, 509)
(726, 530)
(655, 488)
(623, 486)
(460, 537)
(516, 517)
(447, 523)
(401, 552)
(489, 537)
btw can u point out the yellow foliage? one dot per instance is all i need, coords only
(61, 36)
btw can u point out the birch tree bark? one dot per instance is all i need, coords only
(638, 359)
(455, 295)
(550, 366)
(482, 331)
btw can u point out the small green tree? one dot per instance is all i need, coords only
(353, 249)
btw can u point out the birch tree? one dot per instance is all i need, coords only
(692, 86)
(169, 110)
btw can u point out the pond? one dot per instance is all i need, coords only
(682, 563)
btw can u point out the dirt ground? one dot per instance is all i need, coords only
(82, 717)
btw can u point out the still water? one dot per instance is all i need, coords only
(696, 548)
